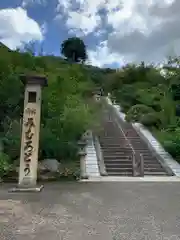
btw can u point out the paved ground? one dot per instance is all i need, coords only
(97, 211)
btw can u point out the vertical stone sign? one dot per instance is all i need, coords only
(30, 133)
(30, 127)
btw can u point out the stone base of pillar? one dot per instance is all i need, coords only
(104, 174)
(84, 177)
(27, 189)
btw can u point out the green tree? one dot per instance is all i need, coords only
(74, 49)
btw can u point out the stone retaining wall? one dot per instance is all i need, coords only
(92, 168)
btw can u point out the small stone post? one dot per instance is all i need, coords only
(30, 133)
(82, 154)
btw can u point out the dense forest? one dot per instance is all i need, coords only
(147, 94)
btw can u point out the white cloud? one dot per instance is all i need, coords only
(100, 32)
(102, 56)
(141, 29)
(16, 28)
(26, 3)
(148, 31)
(84, 18)
(85, 23)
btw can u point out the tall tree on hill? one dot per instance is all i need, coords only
(74, 49)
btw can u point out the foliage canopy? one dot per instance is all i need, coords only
(74, 49)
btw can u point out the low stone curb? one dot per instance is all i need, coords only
(171, 166)
(92, 168)
(133, 179)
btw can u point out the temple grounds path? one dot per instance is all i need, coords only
(97, 211)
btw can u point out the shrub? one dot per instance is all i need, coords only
(150, 119)
(170, 139)
(154, 96)
(126, 94)
(136, 112)
(175, 88)
(168, 112)
(5, 165)
(172, 147)
(12, 138)
(178, 110)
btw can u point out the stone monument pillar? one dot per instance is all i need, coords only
(30, 133)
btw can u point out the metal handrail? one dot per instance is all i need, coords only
(137, 161)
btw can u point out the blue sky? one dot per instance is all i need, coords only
(115, 31)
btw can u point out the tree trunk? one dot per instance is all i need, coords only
(74, 57)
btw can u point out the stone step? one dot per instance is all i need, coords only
(108, 152)
(120, 174)
(139, 147)
(119, 169)
(152, 165)
(146, 155)
(117, 161)
(155, 173)
(130, 173)
(151, 160)
(112, 151)
(118, 146)
(116, 157)
(158, 169)
(115, 141)
(129, 162)
(108, 136)
(116, 149)
(105, 139)
(115, 144)
(119, 165)
(149, 156)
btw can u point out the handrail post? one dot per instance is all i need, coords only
(141, 165)
(133, 165)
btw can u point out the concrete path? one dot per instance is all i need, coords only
(132, 179)
(96, 211)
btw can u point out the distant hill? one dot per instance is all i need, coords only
(4, 47)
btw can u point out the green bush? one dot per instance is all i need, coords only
(150, 119)
(154, 96)
(175, 88)
(5, 165)
(173, 147)
(136, 112)
(125, 106)
(170, 140)
(126, 94)
(12, 138)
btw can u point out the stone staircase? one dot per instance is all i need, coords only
(117, 151)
